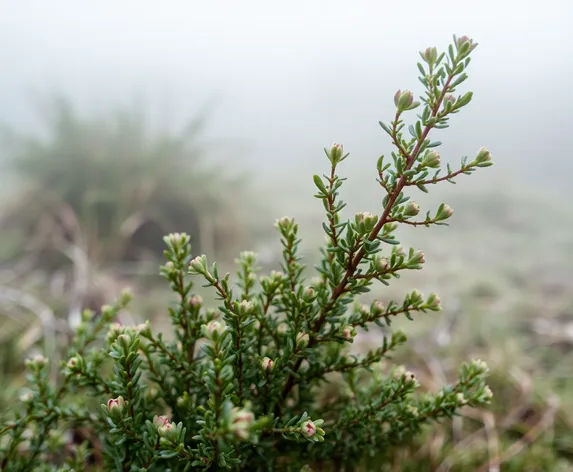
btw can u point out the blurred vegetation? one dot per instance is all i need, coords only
(95, 196)
(91, 197)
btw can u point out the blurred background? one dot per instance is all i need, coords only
(123, 121)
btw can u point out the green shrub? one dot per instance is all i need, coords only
(268, 381)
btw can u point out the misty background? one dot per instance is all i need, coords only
(283, 79)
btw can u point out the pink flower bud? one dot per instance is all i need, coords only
(160, 421)
(214, 328)
(195, 301)
(267, 364)
(348, 332)
(308, 429)
(115, 404)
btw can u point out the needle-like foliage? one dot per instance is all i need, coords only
(241, 387)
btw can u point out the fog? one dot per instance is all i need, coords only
(283, 79)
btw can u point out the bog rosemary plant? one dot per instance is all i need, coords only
(240, 387)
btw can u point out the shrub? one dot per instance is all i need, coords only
(268, 380)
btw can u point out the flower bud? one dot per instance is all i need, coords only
(479, 365)
(348, 332)
(115, 404)
(383, 264)
(449, 98)
(418, 258)
(487, 394)
(308, 429)
(433, 302)
(241, 422)
(37, 361)
(412, 209)
(399, 250)
(464, 45)
(214, 329)
(309, 295)
(245, 307)
(444, 212)
(195, 301)
(174, 239)
(377, 308)
(461, 399)
(335, 153)
(184, 400)
(365, 221)
(431, 55)
(431, 159)
(416, 297)
(197, 265)
(113, 332)
(267, 364)
(483, 157)
(159, 421)
(302, 340)
(27, 397)
(285, 223)
(403, 99)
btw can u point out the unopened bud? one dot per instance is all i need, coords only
(37, 361)
(461, 399)
(195, 301)
(174, 238)
(27, 397)
(241, 422)
(378, 308)
(444, 212)
(309, 295)
(267, 364)
(336, 153)
(159, 421)
(434, 302)
(487, 394)
(403, 99)
(417, 258)
(308, 429)
(348, 332)
(284, 223)
(412, 209)
(449, 98)
(431, 55)
(197, 265)
(483, 157)
(244, 307)
(431, 159)
(115, 404)
(383, 264)
(302, 340)
(416, 297)
(479, 365)
(365, 221)
(72, 363)
(214, 329)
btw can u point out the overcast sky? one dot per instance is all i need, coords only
(287, 78)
